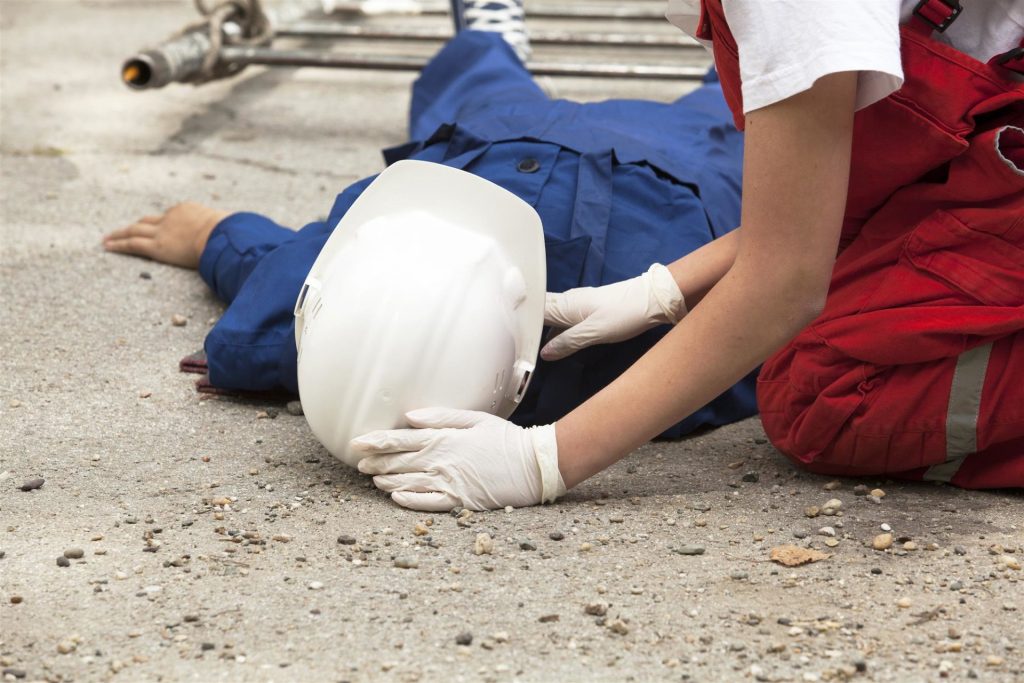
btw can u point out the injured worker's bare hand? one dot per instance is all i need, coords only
(177, 237)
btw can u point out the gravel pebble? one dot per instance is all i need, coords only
(556, 536)
(407, 562)
(32, 484)
(752, 477)
(74, 553)
(346, 540)
(689, 550)
(63, 561)
(179, 320)
(596, 609)
(293, 408)
(464, 638)
(831, 507)
(861, 490)
(483, 545)
(882, 542)
(527, 545)
(618, 626)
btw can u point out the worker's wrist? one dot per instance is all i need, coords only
(545, 449)
(209, 221)
(666, 294)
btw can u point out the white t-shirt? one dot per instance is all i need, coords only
(786, 45)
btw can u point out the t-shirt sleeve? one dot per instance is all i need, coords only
(786, 45)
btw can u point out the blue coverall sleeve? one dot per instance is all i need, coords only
(235, 247)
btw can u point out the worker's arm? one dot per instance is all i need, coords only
(796, 170)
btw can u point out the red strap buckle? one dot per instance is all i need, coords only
(939, 14)
(1007, 57)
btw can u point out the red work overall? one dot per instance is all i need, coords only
(915, 368)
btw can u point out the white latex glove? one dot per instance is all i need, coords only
(612, 313)
(462, 458)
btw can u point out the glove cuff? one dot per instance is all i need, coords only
(665, 293)
(545, 448)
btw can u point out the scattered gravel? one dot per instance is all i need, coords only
(483, 544)
(882, 542)
(689, 550)
(32, 484)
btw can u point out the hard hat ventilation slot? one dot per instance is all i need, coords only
(521, 389)
(302, 299)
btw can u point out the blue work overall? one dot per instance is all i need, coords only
(619, 185)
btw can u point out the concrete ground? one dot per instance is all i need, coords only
(174, 584)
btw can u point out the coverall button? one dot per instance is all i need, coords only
(528, 165)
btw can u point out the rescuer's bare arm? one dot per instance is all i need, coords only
(776, 276)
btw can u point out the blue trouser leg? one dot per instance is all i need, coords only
(474, 69)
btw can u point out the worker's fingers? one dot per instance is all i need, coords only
(394, 440)
(133, 230)
(417, 482)
(572, 340)
(394, 463)
(136, 246)
(565, 309)
(434, 501)
(446, 417)
(150, 219)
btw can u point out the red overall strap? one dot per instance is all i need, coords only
(713, 26)
(1012, 60)
(936, 15)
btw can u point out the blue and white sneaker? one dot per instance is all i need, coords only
(498, 16)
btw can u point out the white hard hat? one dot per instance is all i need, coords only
(430, 292)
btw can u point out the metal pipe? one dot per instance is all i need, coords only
(363, 32)
(177, 60)
(538, 11)
(245, 56)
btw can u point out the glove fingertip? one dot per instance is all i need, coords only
(551, 352)
(363, 444)
(425, 417)
(427, 502)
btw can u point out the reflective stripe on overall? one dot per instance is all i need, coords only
(915, 368)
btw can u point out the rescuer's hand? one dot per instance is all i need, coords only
(612, 313)
(462, 458)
